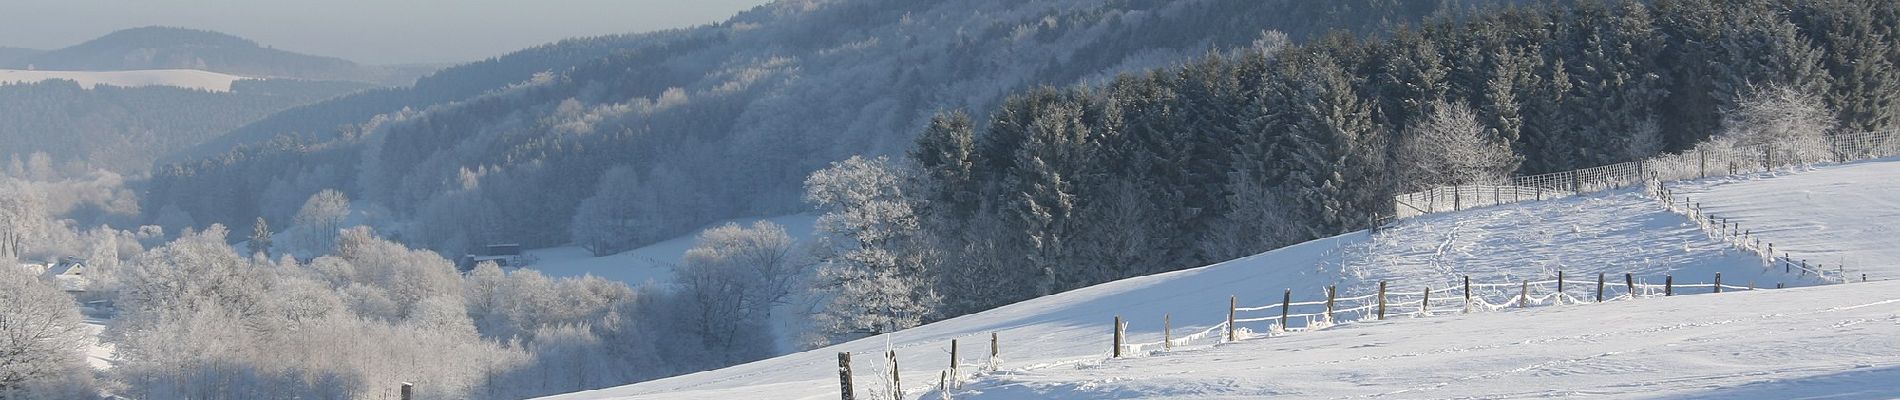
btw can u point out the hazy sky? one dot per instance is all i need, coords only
(367, 31)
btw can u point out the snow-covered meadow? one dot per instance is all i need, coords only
(184, 78)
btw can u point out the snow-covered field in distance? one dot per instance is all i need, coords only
(1838, 339)
(653, 263)
(184, 78)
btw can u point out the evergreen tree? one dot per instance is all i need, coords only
(260, 238)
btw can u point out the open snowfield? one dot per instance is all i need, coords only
(184, 78)
(1065, 338)
(1833, 215)
(653, 263)
(1817, 342)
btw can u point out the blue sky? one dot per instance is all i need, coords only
(368, 31)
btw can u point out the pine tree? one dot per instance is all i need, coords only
(260, 241)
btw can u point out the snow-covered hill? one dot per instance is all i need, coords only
(1683, 346)
(184, 78)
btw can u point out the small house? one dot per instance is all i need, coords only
(69, 273)
(505, 255)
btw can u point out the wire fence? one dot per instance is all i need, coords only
(1290, 316)
(1716, 158)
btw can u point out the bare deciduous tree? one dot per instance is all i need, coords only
(1450, 147)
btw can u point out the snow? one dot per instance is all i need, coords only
(1832, 215)
(1835, 339)
(1768, 344)
(99, 354)
(184, 78)
(653, 263)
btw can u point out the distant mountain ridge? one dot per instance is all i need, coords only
(181, 48)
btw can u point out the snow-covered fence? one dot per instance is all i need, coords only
(1290, 315)
(1744, 239)
(1708, 159)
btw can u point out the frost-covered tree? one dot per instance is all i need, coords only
(732, 278)
(1790, 124)
(42, 340)
(23, 219)
(621, 214)
(320, 220)
(1449, 146)
(260, 240)
(871, 263)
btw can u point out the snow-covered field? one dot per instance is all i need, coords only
(651, 263)
(1836, 339)
(184, 78)
(1816, 342)
(1833, 215)
(99, 355)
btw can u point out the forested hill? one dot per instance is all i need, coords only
(62, 123)
(709, 122)
(180, 48)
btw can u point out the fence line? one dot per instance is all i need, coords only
(1708, 159)
(1287, 315)
(1743, 239)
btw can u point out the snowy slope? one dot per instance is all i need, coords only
(1832, 215)
(1839, 341)
(184, 78)
(1613, 233)
(1836, 339)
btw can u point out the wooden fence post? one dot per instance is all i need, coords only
(1167, 332)
(1600, 287)
(1118, 337)
(1381, 300)
(1231, 301)
(1524, 295)
(1718, 282)
(1331, 292)
(1467, 294)
(844, 375)
(1286, 301)
(995, 347)
(408, 391)
(943, 383)
(953, 357)
(897, 386)
(1425, 305)
(1560, 286)
(1669, 285)
(1629, 284)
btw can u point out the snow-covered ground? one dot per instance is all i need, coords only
(185, 78)
(99, 355)
(1841, 340)
(651, 263)
(1833, 215)
(1816, 342)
